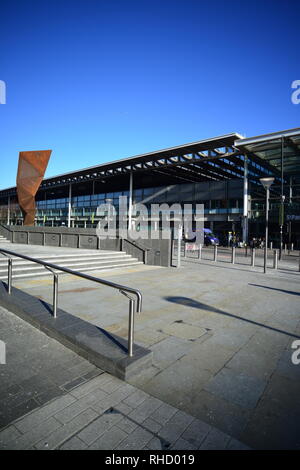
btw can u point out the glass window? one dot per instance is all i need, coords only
(232, 203)
(148, 191)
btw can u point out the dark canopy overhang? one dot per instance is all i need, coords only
(205, 160)
(218, 158)
(268, 147)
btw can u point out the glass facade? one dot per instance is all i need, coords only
(212, 195)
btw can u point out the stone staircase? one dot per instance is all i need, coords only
(98, 260)
(3, 240)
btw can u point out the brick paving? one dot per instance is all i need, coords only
(37, 368)
(51, 398)
(81, 420)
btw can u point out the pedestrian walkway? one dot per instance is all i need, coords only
(221, 338)
(37, 368)
(102, 412)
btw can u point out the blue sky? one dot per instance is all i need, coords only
(97, 80)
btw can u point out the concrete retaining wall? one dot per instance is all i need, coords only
(151, 252)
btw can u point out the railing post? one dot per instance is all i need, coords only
(275, 259)
(131, 327)
(132, 310)
(55, 294)
(9, 272)
(200, 252)
(9, 275)
(246, 251)
(55, 290)
(233, 255)
(215, 252)
(253, 257)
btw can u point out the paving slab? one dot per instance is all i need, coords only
(26, 381)
(237, 376)
(75, 422)
(238, 388)
(184, 330)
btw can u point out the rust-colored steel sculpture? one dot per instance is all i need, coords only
(31, 170)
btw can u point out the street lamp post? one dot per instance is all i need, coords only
(266, 182)
(282, 200)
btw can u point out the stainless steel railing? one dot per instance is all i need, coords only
(135, 304)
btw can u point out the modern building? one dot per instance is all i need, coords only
(222, 173)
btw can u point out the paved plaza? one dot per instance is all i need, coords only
(221, 337)
(51, 398)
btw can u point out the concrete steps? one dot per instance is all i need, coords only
(78, 262)
(3, 240)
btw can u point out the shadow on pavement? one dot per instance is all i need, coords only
(274, 288)
(187, 302)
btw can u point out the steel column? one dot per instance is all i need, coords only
(130, 201)
(70, 205)
(8, 210)
(245, 205)
(267, 230)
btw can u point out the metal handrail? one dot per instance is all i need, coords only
(143, 249)
(135, 305)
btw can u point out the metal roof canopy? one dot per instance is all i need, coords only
(192, 162)
(179, 160)
(268, 148)
(214, 159)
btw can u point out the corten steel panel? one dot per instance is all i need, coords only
(31, 170)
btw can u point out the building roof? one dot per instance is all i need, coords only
(185, 161)
(217, 158)
(271, 147)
